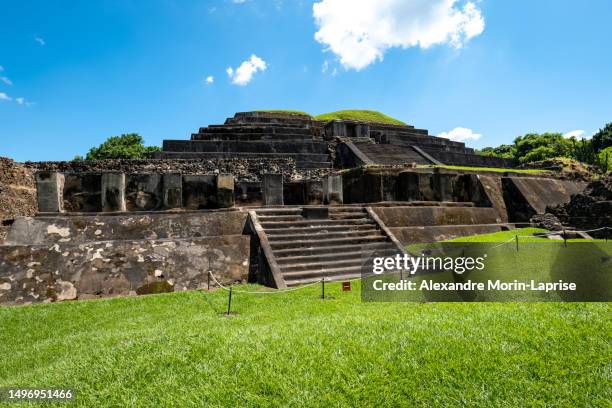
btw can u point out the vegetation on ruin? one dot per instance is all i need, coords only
(126, 146)
(294, 349)
(535, 147)
(493, 169)
(360, 115)
(286, 111)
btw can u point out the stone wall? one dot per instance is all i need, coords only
(526, 196)
(69, 271)
(418, 216)
(417, 224)
(436, 233)
(17, 193)
(88, 228)
(242, 169)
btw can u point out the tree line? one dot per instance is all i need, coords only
(534, 147)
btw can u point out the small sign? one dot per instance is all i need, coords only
(346, 286)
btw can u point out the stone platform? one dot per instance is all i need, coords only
(318, 144)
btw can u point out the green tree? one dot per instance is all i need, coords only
(534, 147)
(126, 146)
(603, 138)
(504, 151)
(605, 159)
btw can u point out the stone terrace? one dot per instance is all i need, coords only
(256, 135)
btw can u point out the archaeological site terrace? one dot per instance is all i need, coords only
(277, 198)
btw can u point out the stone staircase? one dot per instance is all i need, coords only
(302, 251)
(388, 154)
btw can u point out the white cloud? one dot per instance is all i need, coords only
(20, 101)
(360, 32)
(578, 134)
(239, 1)
(6, 80)
(1, 68)
(460, 134)
(40, 40)
(209, 80)
(244, 73)
(5, 97)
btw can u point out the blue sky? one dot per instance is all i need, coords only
(74, 73)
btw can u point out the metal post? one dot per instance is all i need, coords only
(516, 239)
(208, 280)
(323, 288)
(229, 303)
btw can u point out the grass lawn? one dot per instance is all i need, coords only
(294, 349)
(493, 169)
(361, 115)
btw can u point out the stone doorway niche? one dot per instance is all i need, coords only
(350, 130)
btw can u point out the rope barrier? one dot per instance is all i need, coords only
(513, 239)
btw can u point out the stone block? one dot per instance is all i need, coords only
(313, 192)
(332, 190)
(172, 190)
(272, 189)
(225, 190)
(143, 192)
(49, 188)
(443, 185)
(113, 192)
(315, 213)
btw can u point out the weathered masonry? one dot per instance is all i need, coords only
(278, 199)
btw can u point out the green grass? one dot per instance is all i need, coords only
(287, 111)
(361, 115)
(294, 349)
(494, 169)
(504, 236)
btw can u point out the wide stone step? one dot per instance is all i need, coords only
(248, 129)
(319, 229)
(327, 273)
(298, 157)
(325, 242)
(298, 217)
(305, 281)
(298, 210)
(324, 234)
(244, 146)
(357, 253)
(335, 249)
(253, 137)
(305, 268)
(314, 223)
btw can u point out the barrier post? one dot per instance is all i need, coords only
(323, 288)
(208, 280)
(516, 239)
(564, 238)
(229, 302)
